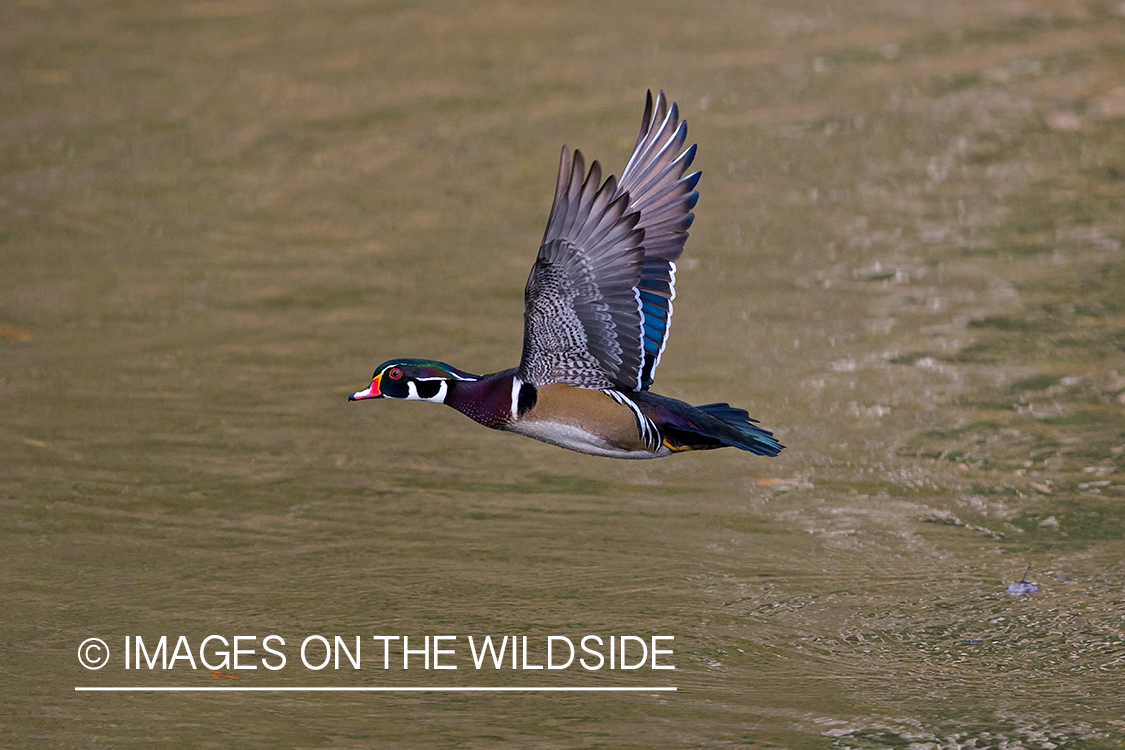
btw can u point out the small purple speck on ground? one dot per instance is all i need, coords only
(1021, 587)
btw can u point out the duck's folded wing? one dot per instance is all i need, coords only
(599, 299)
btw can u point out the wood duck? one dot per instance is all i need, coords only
(596, 312)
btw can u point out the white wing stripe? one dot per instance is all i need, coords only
(668, 320)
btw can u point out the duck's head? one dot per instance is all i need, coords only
(412, 380)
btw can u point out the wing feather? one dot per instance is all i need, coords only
(654, 179)
(598, 301)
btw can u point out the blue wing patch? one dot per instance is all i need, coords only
(656, 292)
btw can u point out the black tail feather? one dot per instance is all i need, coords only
(746, 435)
(687, 427)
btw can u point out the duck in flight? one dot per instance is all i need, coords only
(596, 312)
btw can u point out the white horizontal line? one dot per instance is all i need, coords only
(376, 689)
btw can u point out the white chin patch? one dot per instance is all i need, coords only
(439, 398)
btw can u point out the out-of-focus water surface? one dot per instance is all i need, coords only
(217, 217)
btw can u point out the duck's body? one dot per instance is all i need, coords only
(596, 313)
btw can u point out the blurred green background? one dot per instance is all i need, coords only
(217, 217)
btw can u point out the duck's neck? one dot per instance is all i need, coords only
(487, 400)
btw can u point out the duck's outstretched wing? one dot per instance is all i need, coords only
(598, 300)
(664, 197)
(581, 315)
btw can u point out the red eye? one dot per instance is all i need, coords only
(394, 374)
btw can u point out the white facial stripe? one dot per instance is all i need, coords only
(449, 377)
